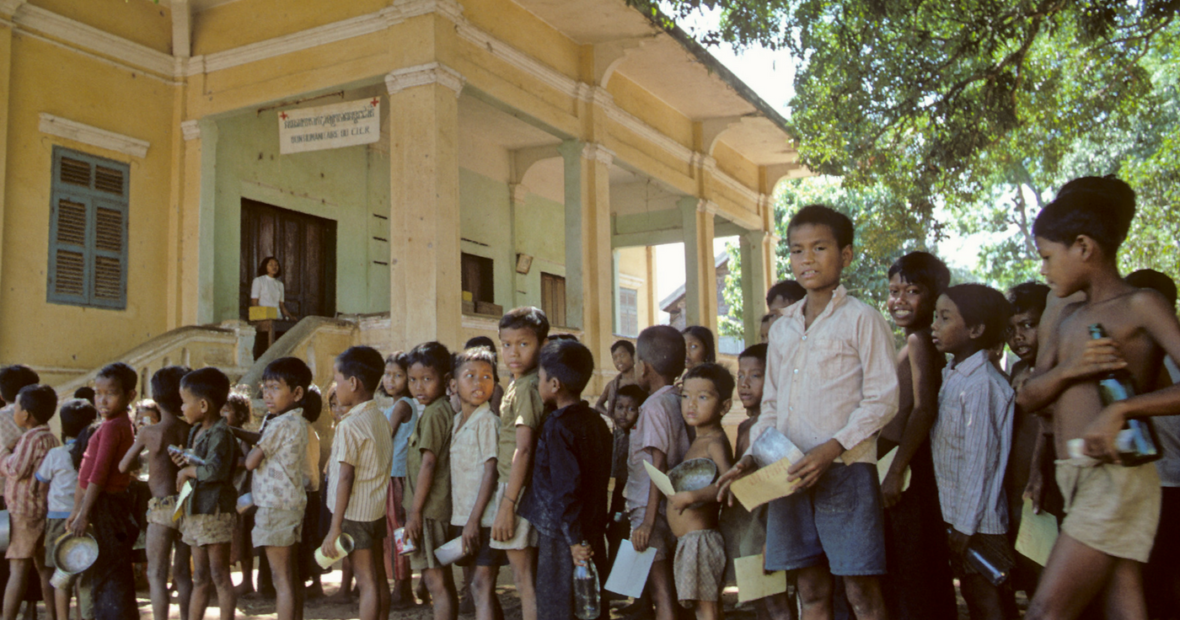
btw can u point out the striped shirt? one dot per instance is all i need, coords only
(363, 440)
(970, 441)
(836, 379)
(26, 495)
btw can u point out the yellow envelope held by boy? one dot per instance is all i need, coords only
(764, 485)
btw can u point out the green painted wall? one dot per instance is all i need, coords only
(347, 185)
(540, 232)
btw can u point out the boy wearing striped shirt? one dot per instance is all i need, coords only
(358, 476)
(972, 437)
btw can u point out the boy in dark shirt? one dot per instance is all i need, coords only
(566, 502)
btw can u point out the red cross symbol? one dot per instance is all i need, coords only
(283, 115)
(374, 102)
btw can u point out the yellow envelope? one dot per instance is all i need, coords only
(764, 485)
(262, 313)
(660, 479)
(885, 463)
(753, 583)
(1037, 535)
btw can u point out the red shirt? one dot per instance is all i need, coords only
(100, 463)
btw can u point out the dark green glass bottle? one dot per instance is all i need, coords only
(1137, 443)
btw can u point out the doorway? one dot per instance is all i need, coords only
(305, 246)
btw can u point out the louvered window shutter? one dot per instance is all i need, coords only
(88, 231)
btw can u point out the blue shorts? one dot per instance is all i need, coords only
(838, 521)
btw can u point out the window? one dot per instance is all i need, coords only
(628, 312)
(88, 231)
(553, 298)
(477, 278)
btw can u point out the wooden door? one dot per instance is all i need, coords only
(305, 247)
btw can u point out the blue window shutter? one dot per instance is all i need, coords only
(88, 231)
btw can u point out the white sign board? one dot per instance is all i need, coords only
(330, 126)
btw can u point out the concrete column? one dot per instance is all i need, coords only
(755, 283)
(587, 246)
(196, 222)
(700, 274)
(424, 265)
(5, 89)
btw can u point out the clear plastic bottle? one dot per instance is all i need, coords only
(586, 592)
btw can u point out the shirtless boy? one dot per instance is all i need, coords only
(699, 567)
(162, 531)
(1112, 510)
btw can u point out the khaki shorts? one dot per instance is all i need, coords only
(434, 535)
(28, 537)
(54, 528)
(699, 567)
(276, 527)
(160, 511)
(1110, 508)
(525, 536)
(202, 530)
(661, 538)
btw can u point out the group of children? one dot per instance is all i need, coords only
(520, 477)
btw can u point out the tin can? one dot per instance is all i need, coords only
(402, 543)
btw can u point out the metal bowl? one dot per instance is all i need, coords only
(693, 474)
(772, 446)
(5, 530)
(74, 554)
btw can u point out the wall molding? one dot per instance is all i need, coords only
(29, 17)
(422, 75)
(93, 136)
(191, 130)
(598, 153)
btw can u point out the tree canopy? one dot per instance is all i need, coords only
(966, 117)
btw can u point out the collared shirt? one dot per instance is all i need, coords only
(213, 490)
(106, 447)
(9, 434)
(659, 426)
(473, 443)
(363, 440)
(25, 494)
(268, 291)
(433, 433)
(401, 439)
(568, 498)
(57, 470)
(278, 481)
(521, 406)
(836, 379)
(970, 442)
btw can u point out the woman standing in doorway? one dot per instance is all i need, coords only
(267, 289)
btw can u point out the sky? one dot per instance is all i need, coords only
(771, 74)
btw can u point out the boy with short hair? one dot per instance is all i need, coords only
(784, 293)
(660, 437)
(163, 532)
(622, 354)
(209, 513)
(523, 331)
(626, 412)
(279, 461)
(474, 444)
(972, 438)
(28, 497)
(103, 498)
(58, 471)
(692, 515)
(1112, 511)
(566, 502)
(358, 476)
(428, 474)
(917, 585)
(831, 385)
(12, 380)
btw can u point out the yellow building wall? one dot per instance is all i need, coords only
(140, 21)
(96, 93)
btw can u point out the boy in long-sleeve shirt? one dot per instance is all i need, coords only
(28, 497)
(830, 386)
(103, 498)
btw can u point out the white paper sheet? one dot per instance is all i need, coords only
(629, 574)
(1037, 534)
(660, 479)
(753, 583)
(185, 491)
(885, 463)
